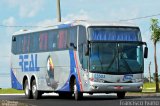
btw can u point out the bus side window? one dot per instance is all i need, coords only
(72, 32)
(26, 43)
(52, 40)
(19, 44)
(31, 44)
(62, 39)
(34, 46)
(14, 48)
(43, 41)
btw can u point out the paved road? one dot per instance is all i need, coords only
(94, 100)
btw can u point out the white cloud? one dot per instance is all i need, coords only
(27, 8)
(9, 22)
(146, 36)
(30, 8)
(47, 22)
(124, 14)
(81, 15)
(12, 3)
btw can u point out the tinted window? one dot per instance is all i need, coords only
(62, 39)
(52, 40)
(25, 43)
(19, 44)
(14, 48)
(45, 41)
(34, 42)
(82, 35)
(73, 35)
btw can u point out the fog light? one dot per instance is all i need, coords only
(140, 87)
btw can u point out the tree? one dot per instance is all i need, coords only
(155, 30)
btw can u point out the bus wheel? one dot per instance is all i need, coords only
(36, 94)
(120, 95)
(27, 91)
(77, 95)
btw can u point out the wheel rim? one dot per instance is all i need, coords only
(75, 92)
(34, 88)
(75, 89)
(27, 89)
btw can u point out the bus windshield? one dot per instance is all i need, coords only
(116, 58)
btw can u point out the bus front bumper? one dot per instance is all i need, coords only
(116, 87)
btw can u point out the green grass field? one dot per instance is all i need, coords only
(10, 91)
(149, 87)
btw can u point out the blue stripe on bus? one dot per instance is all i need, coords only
(66, 86)
(64, 25)
(73, 68)
(15, 83)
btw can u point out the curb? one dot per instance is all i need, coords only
(143, 94)
(11, 94)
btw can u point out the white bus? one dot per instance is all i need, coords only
(78, 57)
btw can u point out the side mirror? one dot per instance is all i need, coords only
(145, 52)
(72, 45)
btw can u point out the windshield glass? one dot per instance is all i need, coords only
(116, 58)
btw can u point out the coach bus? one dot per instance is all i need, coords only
(78, 57)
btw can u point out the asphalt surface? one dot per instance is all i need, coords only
(88, 100)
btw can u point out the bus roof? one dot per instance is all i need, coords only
(75, 23)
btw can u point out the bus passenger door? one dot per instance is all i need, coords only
(84, 66)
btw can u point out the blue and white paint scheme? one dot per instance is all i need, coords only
(56, 58)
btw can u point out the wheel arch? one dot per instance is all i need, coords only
(71, 82)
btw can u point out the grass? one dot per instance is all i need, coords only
(149, 87)
(10, 91)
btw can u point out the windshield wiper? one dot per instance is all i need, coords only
(111, 63)
(126, 64)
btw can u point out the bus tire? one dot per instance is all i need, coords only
(36, 94)
(121, 95)
(77, 95)
(27, 91)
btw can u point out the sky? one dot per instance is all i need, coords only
(43, 13)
